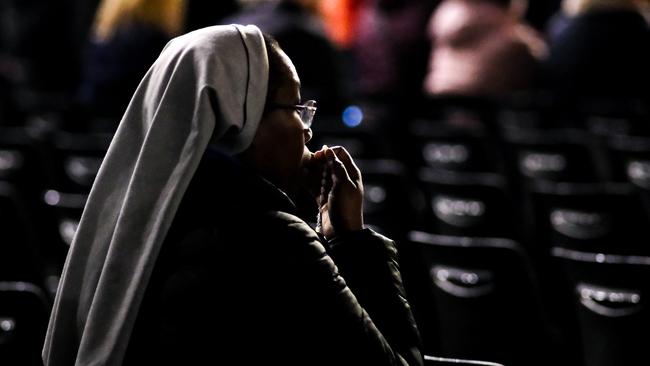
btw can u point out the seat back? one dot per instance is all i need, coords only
(629, 158)
(437, 145)
(609, 117)
(77, 158)
(24, 313)
(629, 161)
(606, 218)
(468, 204)
(610, 295)
(483, 296)
(560, 155)
(387, 196)
(21, 159)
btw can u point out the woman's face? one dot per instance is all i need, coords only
(278, 149)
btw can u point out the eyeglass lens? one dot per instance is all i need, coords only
(307, 113)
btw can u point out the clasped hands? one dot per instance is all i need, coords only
(339, 191)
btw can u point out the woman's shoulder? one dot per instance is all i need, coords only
(285, 225)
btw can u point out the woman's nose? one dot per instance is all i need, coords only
(308, 134)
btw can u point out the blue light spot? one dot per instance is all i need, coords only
(352, 116)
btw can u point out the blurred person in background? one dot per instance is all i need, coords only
(482, 48)
(603, 52)
(297, 25)
(391, 49)
(126, 37)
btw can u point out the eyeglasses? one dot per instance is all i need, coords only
(307, 111)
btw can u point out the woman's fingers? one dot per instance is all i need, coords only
(341, 192)
(351, 168)
(339, 173)
(347, 170)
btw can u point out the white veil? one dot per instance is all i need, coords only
(207, 87)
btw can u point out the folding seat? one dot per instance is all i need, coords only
(24, 313)
(589, 217)
(557, 155)
(65, 212)
(41, 173)
(76, 158)
(12, 154)
(437, 145)
(629, 161)
(26, 243)
(388, 196)
(608, 125)
(605, 218)
(556, 160)
(468, 204)
(477, 299)
(22, 161)
(611, 117)
(609, 293)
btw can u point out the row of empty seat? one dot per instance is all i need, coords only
(45, 177)
(520, 243)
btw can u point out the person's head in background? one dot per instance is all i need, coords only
(278, 150)
(126, 37)
(482, 48)
(166, 15)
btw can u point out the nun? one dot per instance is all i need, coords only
(190, 250)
